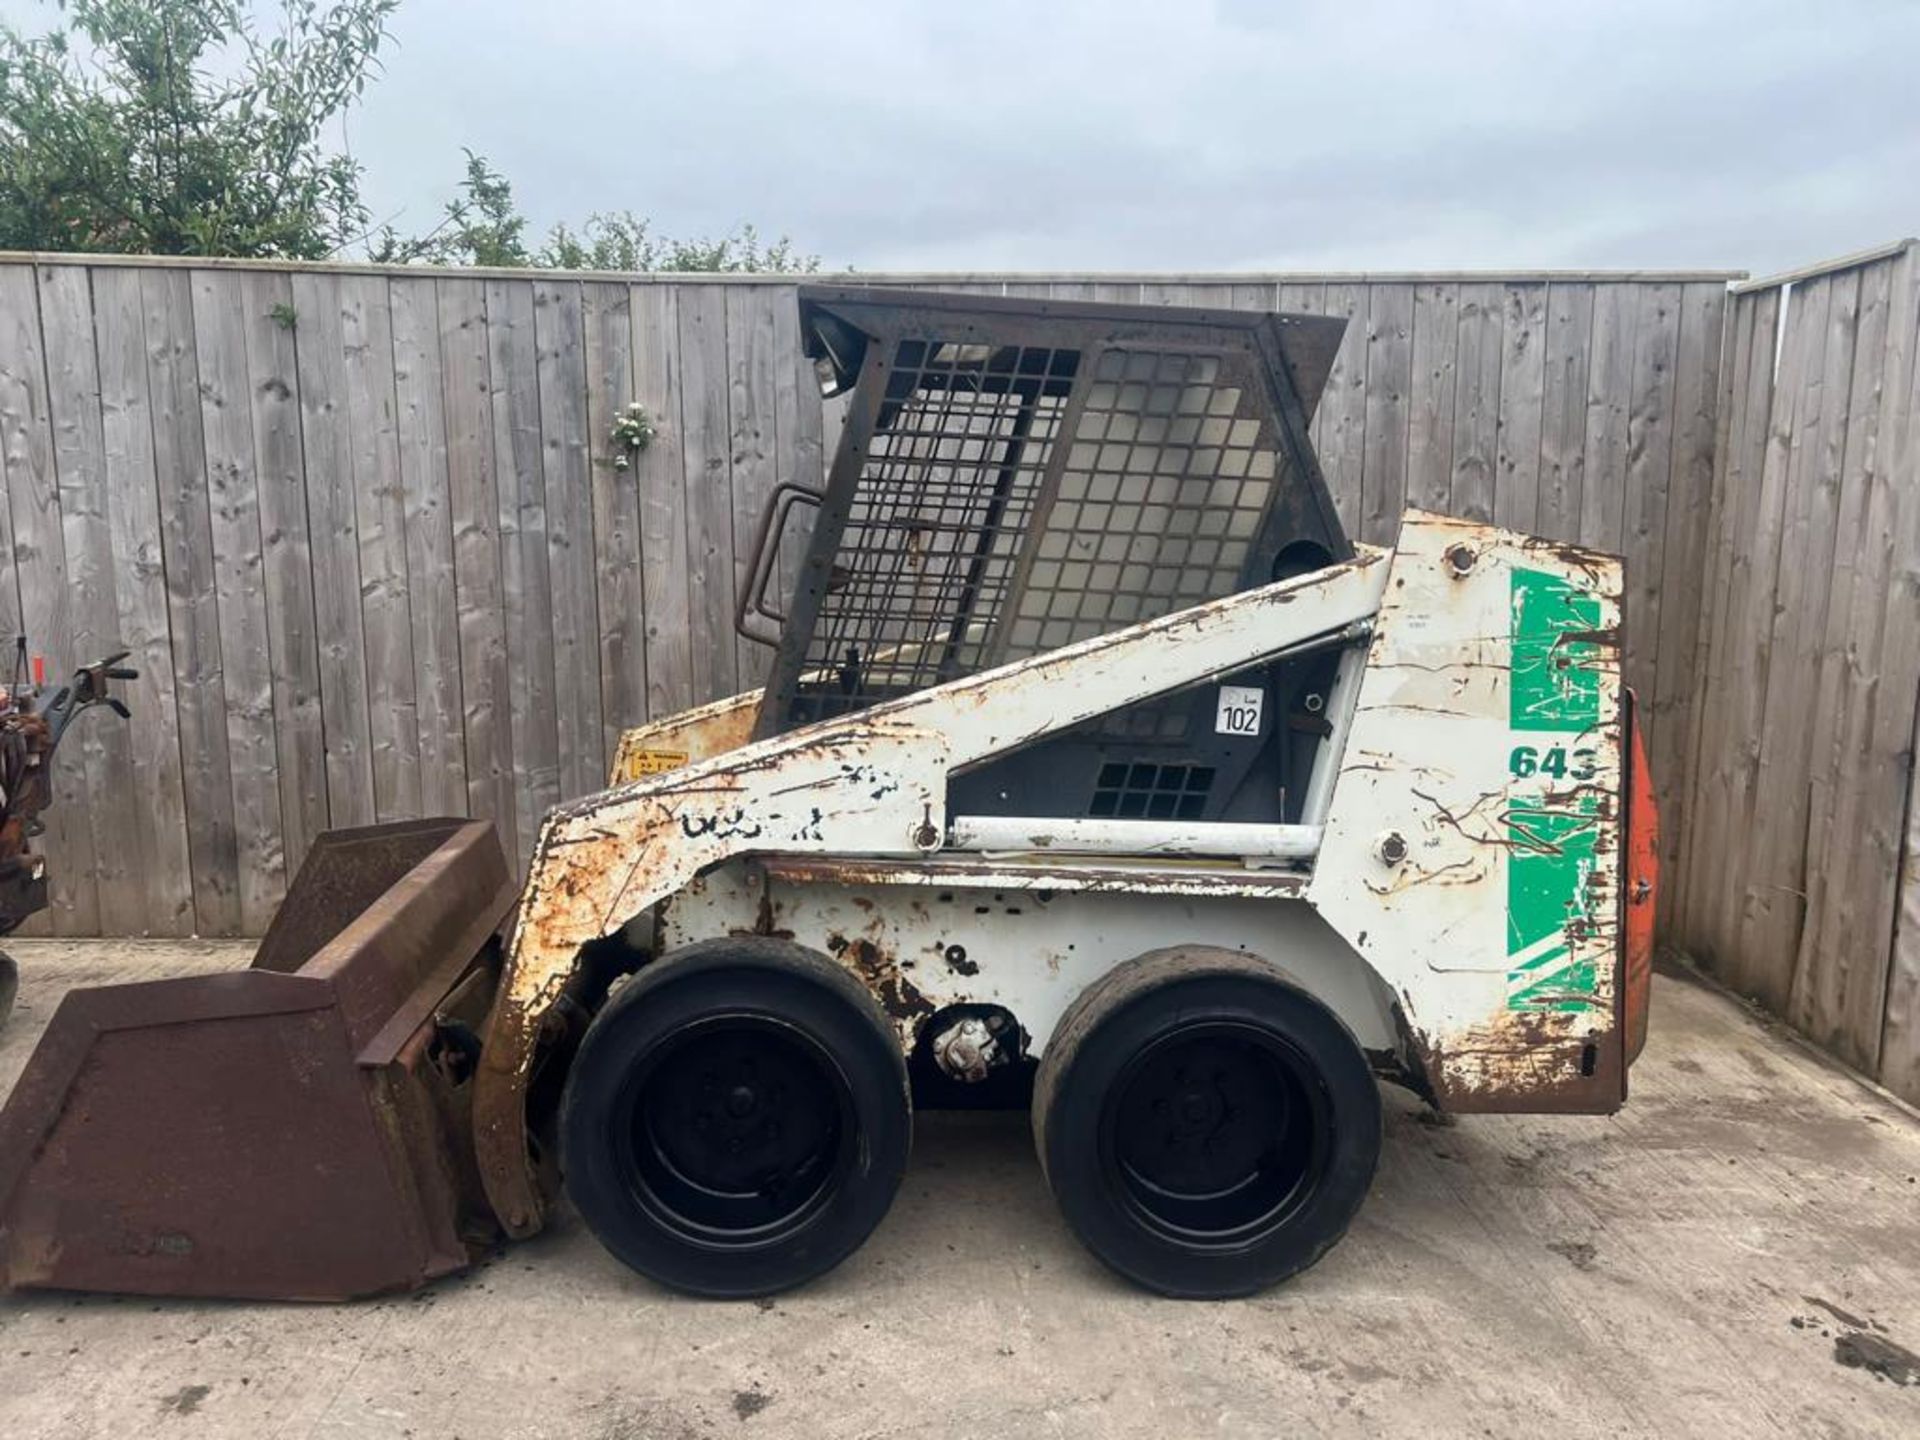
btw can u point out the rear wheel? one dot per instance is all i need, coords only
(1207, 1129)
(737, 1119)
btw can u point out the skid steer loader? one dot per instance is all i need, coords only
(1097, 769)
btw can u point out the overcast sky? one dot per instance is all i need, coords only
(1159, 135)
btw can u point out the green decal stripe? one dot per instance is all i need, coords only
(1548, 861)
(1556, 955)
(1555, 686)
(1568, 991)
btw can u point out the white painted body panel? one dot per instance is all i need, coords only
(1031, 951)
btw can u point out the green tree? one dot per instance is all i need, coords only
(179, 127)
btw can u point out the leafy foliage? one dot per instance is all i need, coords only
(624, 241)
(484, 226)
(175, 127)
(178, 127)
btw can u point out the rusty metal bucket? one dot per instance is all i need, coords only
(295, 1130)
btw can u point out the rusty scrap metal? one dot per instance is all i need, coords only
(296, 1130)
(31, 726)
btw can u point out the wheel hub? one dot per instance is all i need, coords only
(1212, 1134)
(737, 1131)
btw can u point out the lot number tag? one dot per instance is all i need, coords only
(1239, 712)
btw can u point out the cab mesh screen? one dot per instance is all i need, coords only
(947, 490)
(1000, 512)
(1166, 482)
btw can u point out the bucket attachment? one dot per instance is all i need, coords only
(296, 1130)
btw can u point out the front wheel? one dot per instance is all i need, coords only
(1207, 1129)
(737, 1120)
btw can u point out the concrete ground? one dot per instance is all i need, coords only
(1736, 1253)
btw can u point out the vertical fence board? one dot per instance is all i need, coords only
(269, 321)
(1891, 827)
(1383, 467)
(326, 441)
(798, 457)
(380, 517)
(1680, 895)
(752, 437)
(1523, 379)
(473, 501)
(240, 601)
(705, 438)
(661, 478)
(608, 311)
(1719, 755)
(1563, 419)
(1685, 893)
(1649, 410)
(1895, 832)
(1476, 404)
(186, 534)
(432, 606)
(94, 759)
(1752, 630)
(155, 810)
(1603, 468)
(1684, 564)
(561, 330)
(1431, 399)
(512, 362)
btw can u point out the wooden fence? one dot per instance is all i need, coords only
(362, 532)
(1800, 785)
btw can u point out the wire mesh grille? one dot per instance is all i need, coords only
(932, 539)
(1141, 791)
(1166, 482)
(1060, 481)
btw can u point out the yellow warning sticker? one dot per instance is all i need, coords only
(638, 764)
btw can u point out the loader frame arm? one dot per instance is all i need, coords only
(874, 783)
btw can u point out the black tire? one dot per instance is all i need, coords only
(9, 985)
(1207, 1128)
(737, 1119)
